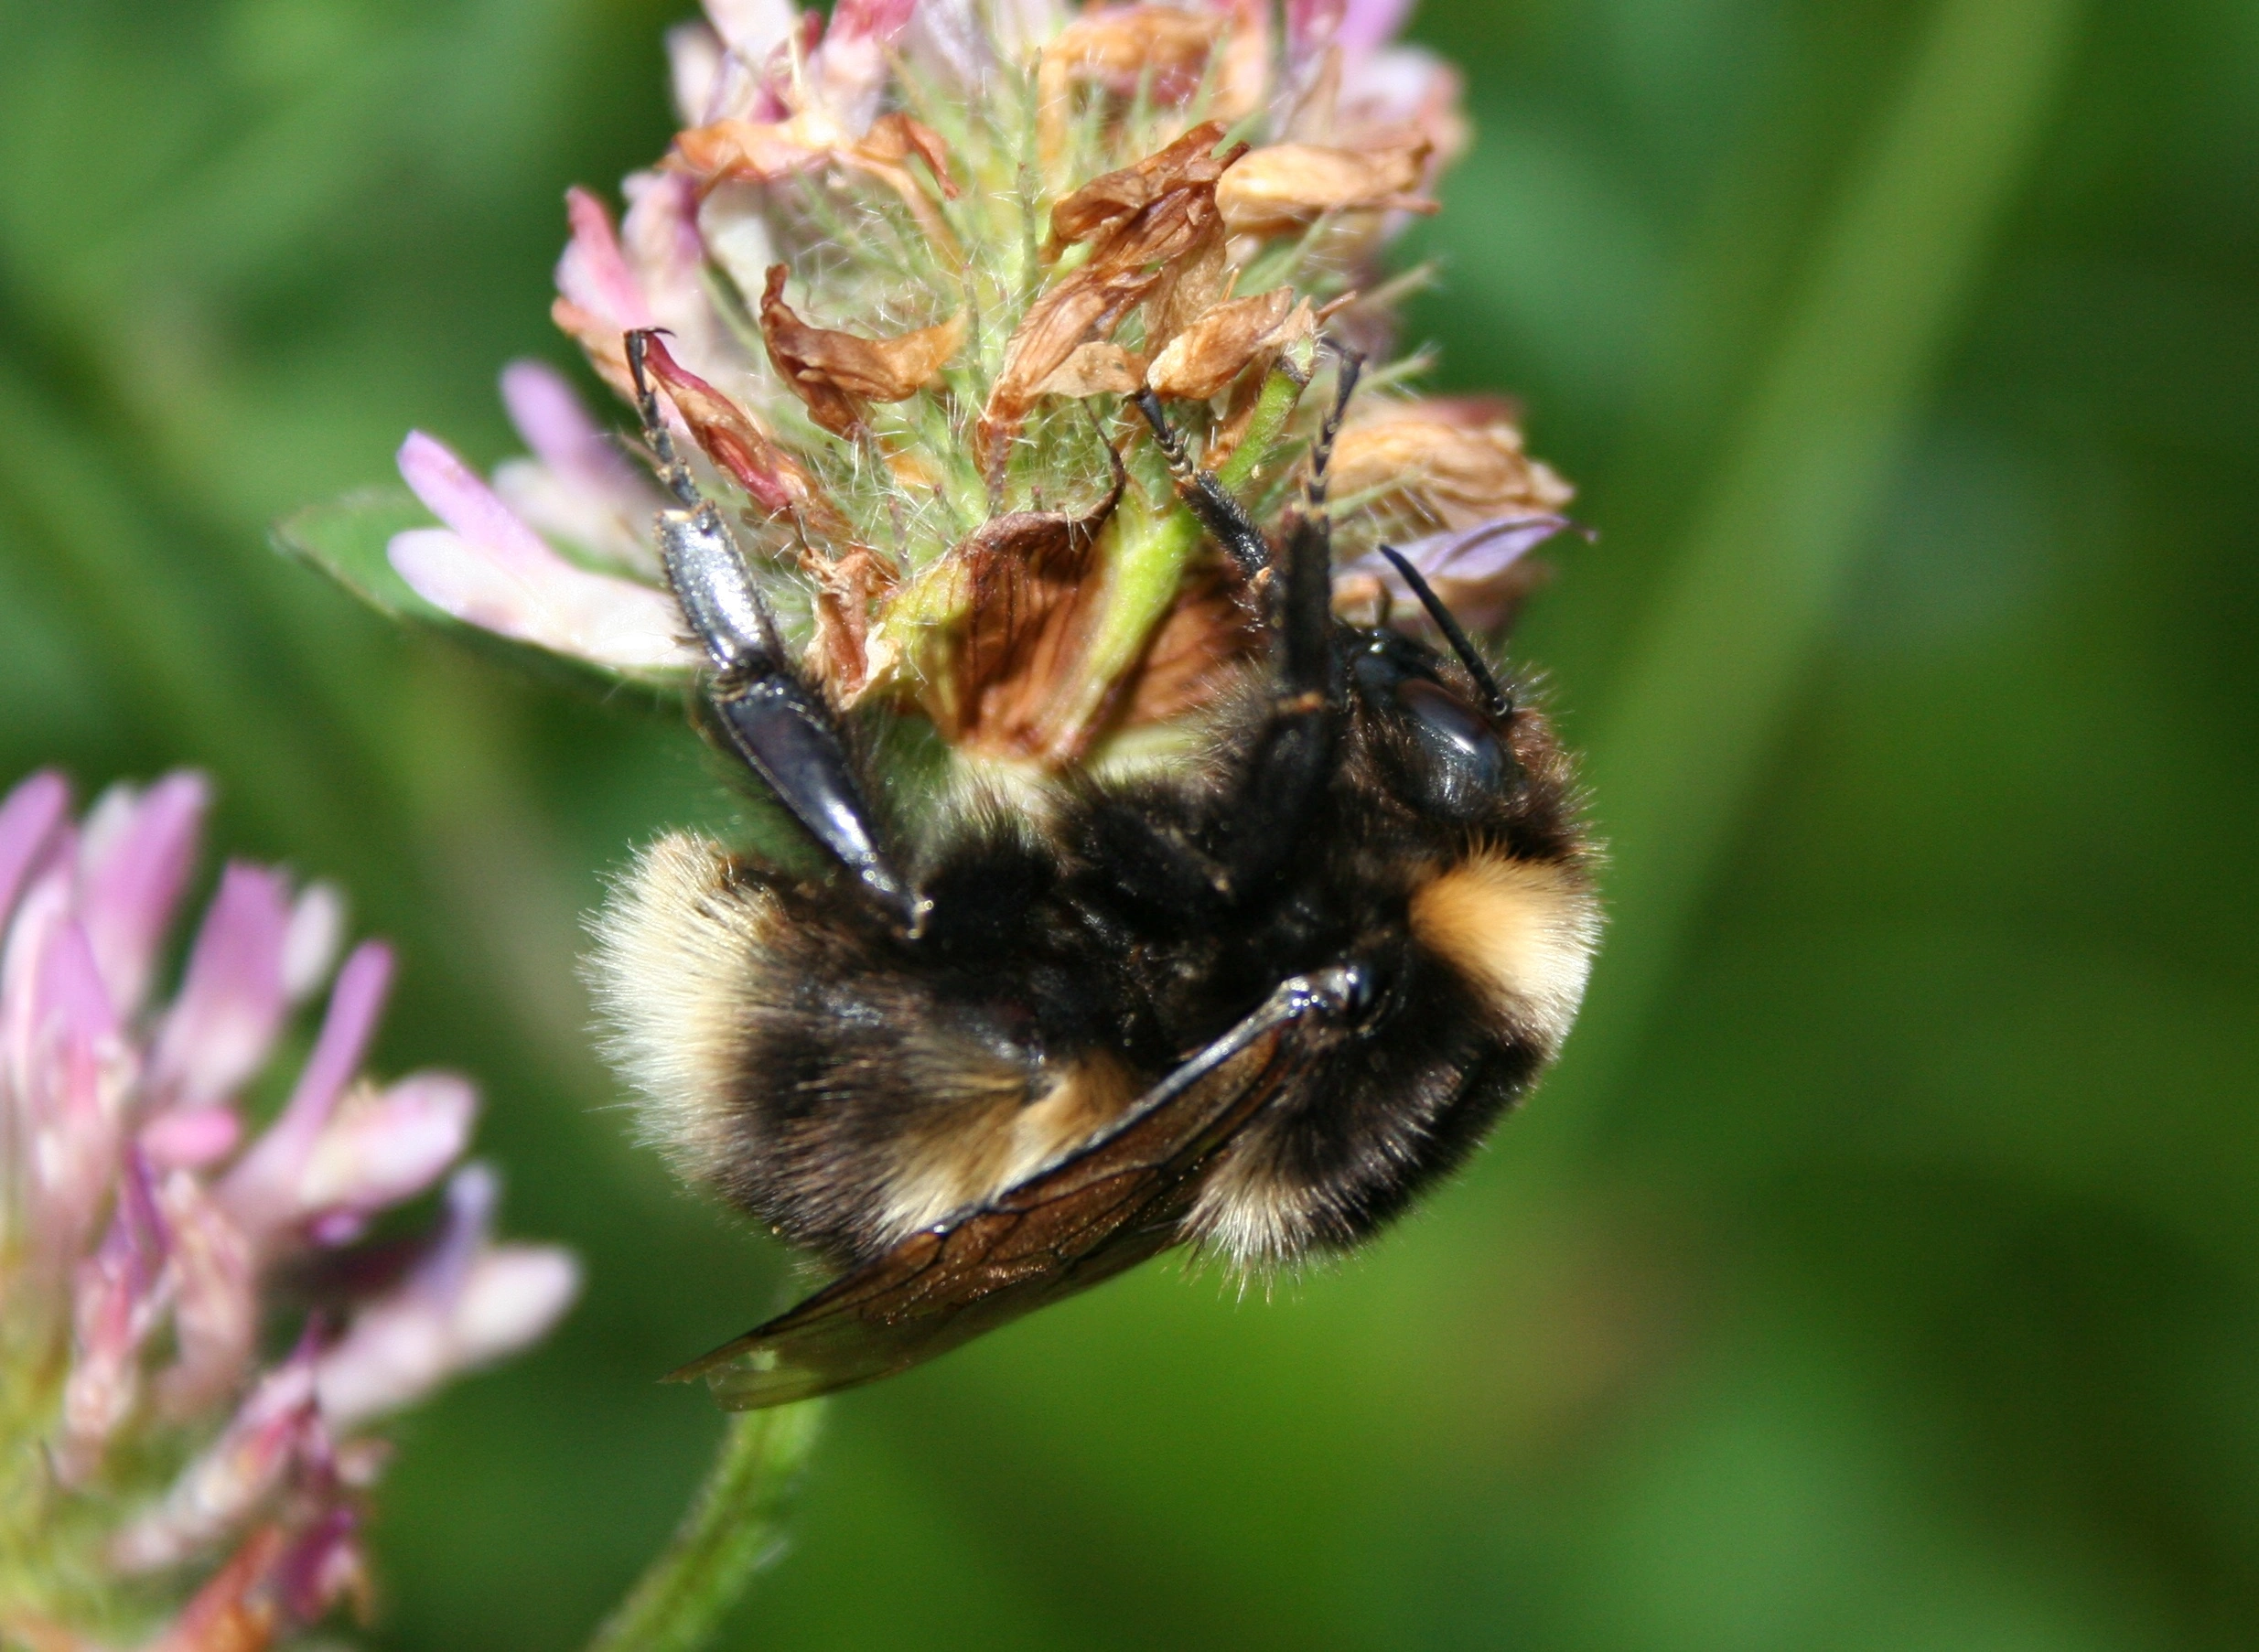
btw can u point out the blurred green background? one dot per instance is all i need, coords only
(1882, 1268)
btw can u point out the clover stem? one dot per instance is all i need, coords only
(732, 1530)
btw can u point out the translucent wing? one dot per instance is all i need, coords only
(1102, 1209)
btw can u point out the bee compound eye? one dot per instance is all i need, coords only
(1454, 732)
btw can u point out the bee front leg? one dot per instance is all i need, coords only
(1293, 752)
(777, 723)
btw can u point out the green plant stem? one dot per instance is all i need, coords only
(733, 1530)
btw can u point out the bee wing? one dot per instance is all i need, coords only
(1102, 1209)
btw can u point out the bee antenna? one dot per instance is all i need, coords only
(1498, 701)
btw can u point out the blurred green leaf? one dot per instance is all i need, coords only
(347, 541)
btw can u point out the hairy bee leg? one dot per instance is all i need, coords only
(1289, 764)
(1224, 517)
(778, 724)
(1321, 454)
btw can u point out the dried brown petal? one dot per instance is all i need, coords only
(1023, 589)
(848, 589)
(730, 437)
(838, 374)
(1119, 47)
(763, 152)
(1095, 370)
(1191, 286)
(1145, 224)
(1203, 360)
(760, 152)
(1112, 199)
(894, 138)
(1446, 463)
(1279, 190)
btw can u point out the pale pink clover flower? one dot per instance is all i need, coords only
(136, 1223)
(500, 563)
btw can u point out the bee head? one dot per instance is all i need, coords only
(1437, 732)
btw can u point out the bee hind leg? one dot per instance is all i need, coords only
(778, 724)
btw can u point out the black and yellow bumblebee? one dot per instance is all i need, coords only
(1252, 1002)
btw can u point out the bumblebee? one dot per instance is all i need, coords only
(1252, 1002)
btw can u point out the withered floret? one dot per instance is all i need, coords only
(837, 373)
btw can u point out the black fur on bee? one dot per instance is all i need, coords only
(1341, 940)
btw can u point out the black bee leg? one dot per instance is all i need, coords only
(1224, 518)
(1289, 766)
(778, 724)
(1321, 454)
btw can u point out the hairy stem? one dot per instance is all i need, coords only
(734, 1527)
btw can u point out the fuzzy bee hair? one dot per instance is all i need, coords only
(850, 1088)
(1254, 999)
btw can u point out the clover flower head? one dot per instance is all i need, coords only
(909, 265)
(147, 1227)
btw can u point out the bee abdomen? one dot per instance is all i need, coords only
(788, 1060)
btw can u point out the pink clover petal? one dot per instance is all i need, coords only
(277, 1425)
(467, 1303)
(879, 20)
(613, 623)
(1406, 85)
(403, 1347)
(560, 511)
(24, 1039)
(849, 69)
(1312, 24)
(337, 1228)
(311, 943)
(381, 1147)
(1483, 552)
(578, 487)
(131, 880)
(71, 1072)
(323, 1566)
(191, 1138)
(216, 1301)
(567, 441)
(511, 1295)
(27, 822)
(694, 71)
(668, 252)
(594, 273)
(494, 571)
(948, 41)
(261, 1192)
(232, 1000)
(120, 1298)
(960, 40)
(455, 494)
(754, 28)
(1366, 24)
